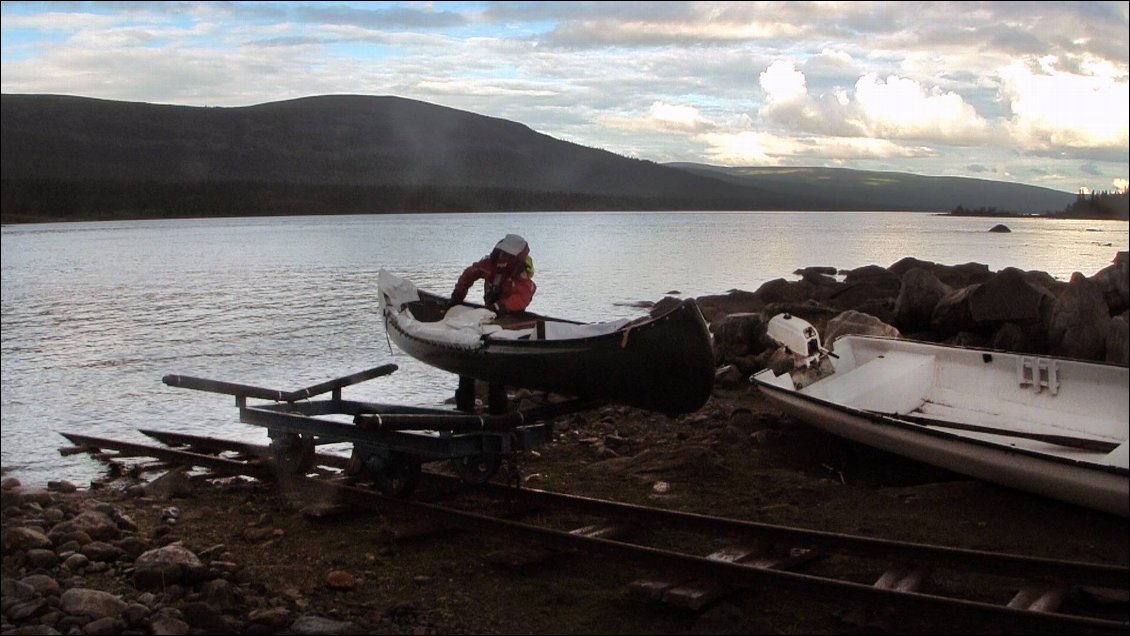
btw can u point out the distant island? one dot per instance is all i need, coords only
(67, 158)
(1096, 206)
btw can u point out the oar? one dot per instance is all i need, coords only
(1085, 443)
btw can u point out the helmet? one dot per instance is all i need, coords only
(513, 245)
(512, 249)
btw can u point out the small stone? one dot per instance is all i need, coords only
(340, 580)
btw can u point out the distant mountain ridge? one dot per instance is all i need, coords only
(856, 188)
(77, 157)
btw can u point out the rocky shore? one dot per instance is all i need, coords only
(83, 562)
(1086, 317)
(193, 554)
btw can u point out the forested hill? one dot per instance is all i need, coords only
(74, 157)
(913, 192)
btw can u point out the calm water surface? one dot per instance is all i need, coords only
(94, 314)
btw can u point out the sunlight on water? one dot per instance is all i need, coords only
(95, 314)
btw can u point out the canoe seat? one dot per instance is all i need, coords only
(896, 382)
(426, 311)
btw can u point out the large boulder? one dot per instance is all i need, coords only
(714, 307)
(952, 315)
(738, 335)
(1114, 281)
(780, 290)
(1118, 340)
(96, 524)
(168, 565)
(919, 294)
(880, 276)
(91, 603)
(1020, 338)
(1008, 297)
(853, 322)
(962, 275)
(1080, 321)
(873, 292)
(904, 265)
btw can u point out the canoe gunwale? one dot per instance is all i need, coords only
(487, 343)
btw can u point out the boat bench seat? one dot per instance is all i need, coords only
(896, 382)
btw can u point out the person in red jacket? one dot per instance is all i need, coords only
(507, 274)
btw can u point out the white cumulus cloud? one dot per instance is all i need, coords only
(1054, 108)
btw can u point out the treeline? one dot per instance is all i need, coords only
(1096, 206)
(1099, 205)
(39, 200)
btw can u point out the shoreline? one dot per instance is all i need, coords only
(179, 554)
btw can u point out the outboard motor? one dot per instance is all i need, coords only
(797, 336)
(800, 354)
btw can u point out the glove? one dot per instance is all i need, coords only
(456, 299)
(497, 308)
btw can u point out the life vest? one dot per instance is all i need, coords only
(507, 274)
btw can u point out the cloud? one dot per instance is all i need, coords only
(783, 85)
(380, 18)
(759, 148)
(902, 108)
(1005, 89)
(894, 108)
(661, 117)
(1052, 108)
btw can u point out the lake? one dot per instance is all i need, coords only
(95, 314)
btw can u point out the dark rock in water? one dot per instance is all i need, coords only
(1000, 227)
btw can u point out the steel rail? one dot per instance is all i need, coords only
(1077, 572)
(734, 573)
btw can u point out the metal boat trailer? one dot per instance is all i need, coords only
(390, 441)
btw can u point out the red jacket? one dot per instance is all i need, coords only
(506, 281)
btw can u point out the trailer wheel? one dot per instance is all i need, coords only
(477, 469)
(395, 476)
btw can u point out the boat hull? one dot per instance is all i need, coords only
(1087, 404)
(664, 364)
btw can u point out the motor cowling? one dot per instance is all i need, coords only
(795, 334)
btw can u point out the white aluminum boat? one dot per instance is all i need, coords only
(1051, 426)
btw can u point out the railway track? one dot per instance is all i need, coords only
(872, 579)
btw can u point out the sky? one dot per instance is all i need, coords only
(1027, 92)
